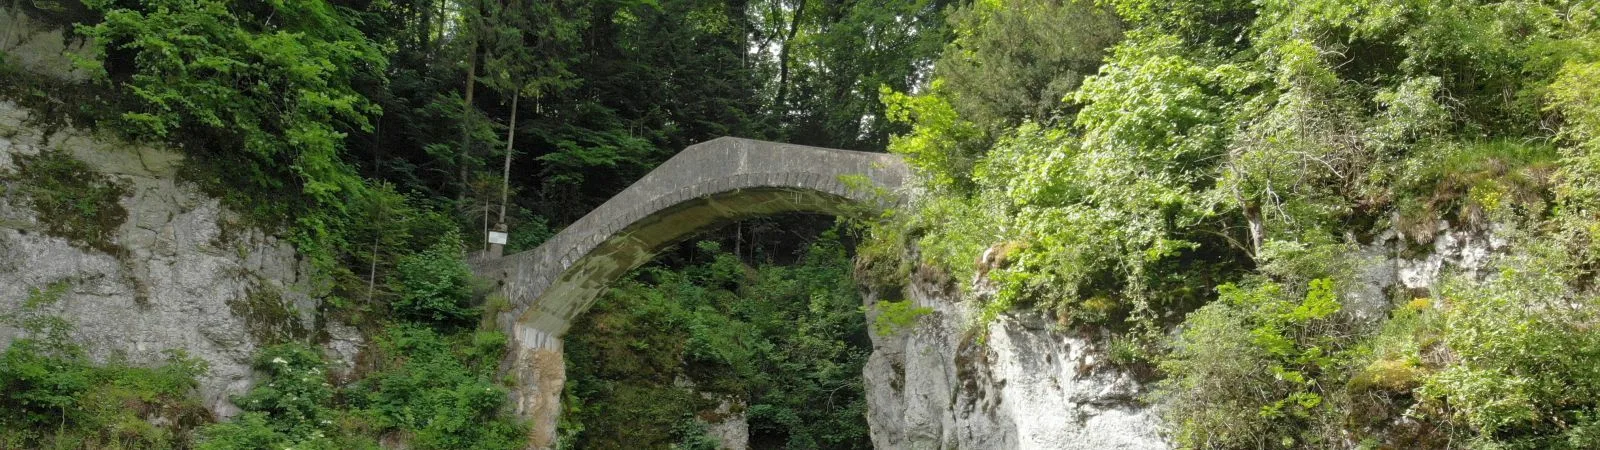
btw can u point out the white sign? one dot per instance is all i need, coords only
(496, 237)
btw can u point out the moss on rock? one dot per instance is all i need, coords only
(72, 200)
(268, 317)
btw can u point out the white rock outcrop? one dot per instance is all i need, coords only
(1031, 386)
(190, 276)
(1027, 386)
(728, 425)
(1467, 251)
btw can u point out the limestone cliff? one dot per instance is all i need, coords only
(1029, 385)
(179, 271)
(1026, 386)
(39, 46)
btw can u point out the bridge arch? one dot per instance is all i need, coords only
(707, 184)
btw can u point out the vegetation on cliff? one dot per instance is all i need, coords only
(53, 395)
(1221, 170)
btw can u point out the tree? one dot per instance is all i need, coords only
(835, 57)
(1018, 60)
(526, 46)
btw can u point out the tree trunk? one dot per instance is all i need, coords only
(1258, 229)
(377, 172)
(466, 122)
(505, 172)
(372, 268)
(424, 29)
(783, 60)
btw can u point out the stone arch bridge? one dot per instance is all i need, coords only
(708, 184)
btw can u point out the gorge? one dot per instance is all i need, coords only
(805, 224)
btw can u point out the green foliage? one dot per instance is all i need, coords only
(268, 318)
(990, 77)
(266, 102)
(1199, 22)
(434, 285)
(1104, 209)
(623, 364)
(395, 228)
(73, 200)
(434, 389)
(941, 144)
(1578, 101)
(1524, 357)
(439, 389)
(1252, 370)
(1161, 106)
(891, 317)
(53, 396)
(1473, 185)
(528, 234)
(880, 260)
(1214, 355)
(52, 102)
(784, 344)
(1083, 242)
(833, 58)
(524, 42)
(996, 75)
(249, 431)
(1234, 155)
(292, 407)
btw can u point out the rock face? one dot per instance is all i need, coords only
(728, 425)
(1028, 386)
(37, 46)
(1467, 251)
(187, 275)
(934, 386)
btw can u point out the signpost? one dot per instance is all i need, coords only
(497, 240)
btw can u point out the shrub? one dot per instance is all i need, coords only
(434, 285)
(52, 395)
(438, 389)
(435, 389)
(1526, 361)
(1252, 370)
(292, 407)
(1206, 395)
(892, 317)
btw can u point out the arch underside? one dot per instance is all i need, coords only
(587, 278)
(709, 184)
